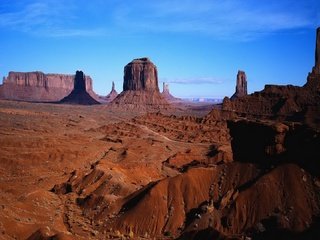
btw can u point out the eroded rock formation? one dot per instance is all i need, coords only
(140, 74)
(241, 87)
(140, 87)
(112, 95)
(79, 95)
(283, 102)
(38, 86)
(167, 95)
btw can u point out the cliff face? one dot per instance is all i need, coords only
(140, 87)
(283, 102)
(140, 74)
(241, 87)
(38, 86)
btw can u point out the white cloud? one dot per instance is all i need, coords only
(221, 19)
(46, 18)
(194, 80)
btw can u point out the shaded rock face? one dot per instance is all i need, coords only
(79, 95)
(314, 77)
(140, 74)
(140, 87)
(288, 102)
(38, 86)
(80, 81)
(241, 87)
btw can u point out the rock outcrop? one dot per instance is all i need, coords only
(241, 87)
(111, 96)
(79, 95)
(140, 87)
(283, 102)
(140, 75)
(167, 95)
(40, 87)
(313, 81)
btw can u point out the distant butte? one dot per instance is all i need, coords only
(112, 95)
(167, 95)
(79, 95)
(140, 87)
(40, 87)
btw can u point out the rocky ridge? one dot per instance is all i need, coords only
(293, 103)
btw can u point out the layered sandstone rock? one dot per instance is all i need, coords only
(283, 102)
(140, 74)
(79, 95)
(241, 87)
(38, 86)
(140, 87)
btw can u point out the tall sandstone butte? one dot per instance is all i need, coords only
(140, 87)
(38, 86)
(79, 94)
(140, 74)
(241, 87)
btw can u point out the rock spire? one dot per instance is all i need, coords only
(241, 87)
(79, 94)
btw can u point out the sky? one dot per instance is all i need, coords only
(197, 46)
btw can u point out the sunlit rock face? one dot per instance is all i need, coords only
(140, 74)
(241, 87)
(140, 87)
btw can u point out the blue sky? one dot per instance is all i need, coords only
(198, 46)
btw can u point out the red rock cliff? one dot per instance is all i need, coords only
(38, 86)
(140, 74)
